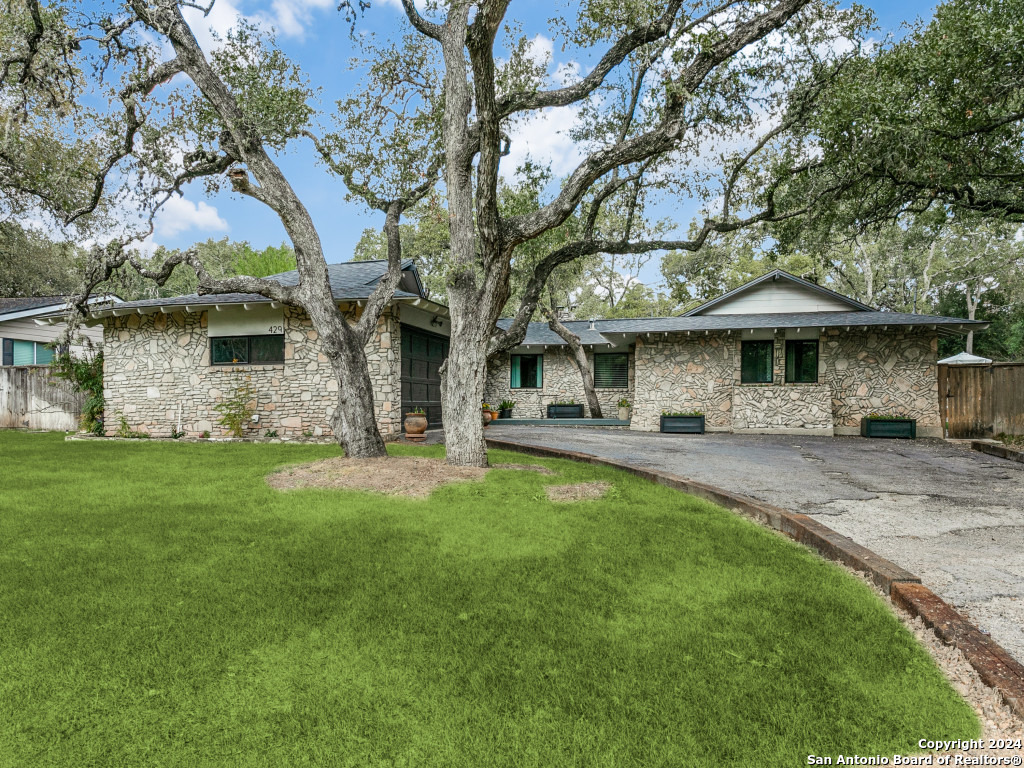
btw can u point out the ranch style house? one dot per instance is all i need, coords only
(776, 355)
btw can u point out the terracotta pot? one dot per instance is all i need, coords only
(486, 415)
(415, 423)
(494, 414)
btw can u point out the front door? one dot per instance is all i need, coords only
(422, 355)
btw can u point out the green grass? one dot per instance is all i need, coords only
(161, 606)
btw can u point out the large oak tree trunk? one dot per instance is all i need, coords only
(462, 391)
(354, 420)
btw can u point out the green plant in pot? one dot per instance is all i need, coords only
(625, 407)
(505, 409)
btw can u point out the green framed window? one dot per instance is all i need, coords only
(251, 350)
(802, 361)
(17, 352)
(756, 362)
(527, 371)
(611, 370)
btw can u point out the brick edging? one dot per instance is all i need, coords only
(994, 665)
(1002, 451)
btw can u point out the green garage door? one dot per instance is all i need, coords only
(422, 355)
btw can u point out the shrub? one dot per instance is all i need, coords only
(236, 410)
(85, 374)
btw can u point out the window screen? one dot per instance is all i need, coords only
(802, 361)
(527, 372)
(611, 370)
(756, 362)
(231, 350)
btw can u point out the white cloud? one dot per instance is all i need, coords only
(292, 17)
(179, 215)
(222, 17)
(544, 137)
(540, 49)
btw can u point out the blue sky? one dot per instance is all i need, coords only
(314, 35)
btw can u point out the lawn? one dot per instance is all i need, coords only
(160, 605)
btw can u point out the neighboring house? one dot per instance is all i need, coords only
(777, 355)
(171, 361)
(28, 325)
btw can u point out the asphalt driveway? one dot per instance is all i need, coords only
(950, 515)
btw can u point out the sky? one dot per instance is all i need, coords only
(312, 33)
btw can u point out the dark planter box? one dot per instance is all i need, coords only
(687, 425)
(565, 411)
(505, 413)
(902, 428)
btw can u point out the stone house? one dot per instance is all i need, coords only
(776, 355)
(168, 362)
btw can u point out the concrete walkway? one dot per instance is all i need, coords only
(952, 516)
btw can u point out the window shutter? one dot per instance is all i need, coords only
(516, 380)
(540, 371)
(44, 354)
(8, 352)
(611, 371)
(24, 353)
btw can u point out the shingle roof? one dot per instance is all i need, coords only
(350, 280)
(22, 303)
(539, 333)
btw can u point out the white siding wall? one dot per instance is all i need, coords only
(780, 296)
(26, 329)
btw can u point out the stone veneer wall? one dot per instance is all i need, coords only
(769, 408)
(892, 371)
(684, 373)
(858, 372)
(155, 364)
(561, 382)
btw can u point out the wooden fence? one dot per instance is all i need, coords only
(978, 401)
(30, 398)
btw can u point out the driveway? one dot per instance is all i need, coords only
(952, 516)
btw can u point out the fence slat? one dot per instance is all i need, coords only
(978, 401)
(30, 398)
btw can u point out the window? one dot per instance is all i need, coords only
(611, 370)
(756, 362)
(802, 361)
(527, 371)
(17, 352)
(256, 350)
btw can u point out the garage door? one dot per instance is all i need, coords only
(422, 355)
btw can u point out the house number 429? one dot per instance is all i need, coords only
(277, 329)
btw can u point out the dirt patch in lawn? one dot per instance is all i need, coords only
(525, 467)
(402, 475)
(577, 491)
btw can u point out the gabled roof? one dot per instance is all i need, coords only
(350, 281)
(35, 306)
(964, 359)
(774, 275)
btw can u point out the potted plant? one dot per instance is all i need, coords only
(485, 413)
(888, 425)
(565, 409)
(505, 409)
(683, 422)
(624, 408)
(415, 422)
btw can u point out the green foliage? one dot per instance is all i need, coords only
(124, 429)
(506, 405)
(270, 433)
(31, 264)
(885, 416)
(270, 261)
(237, 409)
(85, 374)
(564, 402)
(682, 413)
(208, 619)
(624, 403)
(935, 117)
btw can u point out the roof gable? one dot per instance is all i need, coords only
(778, 292)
